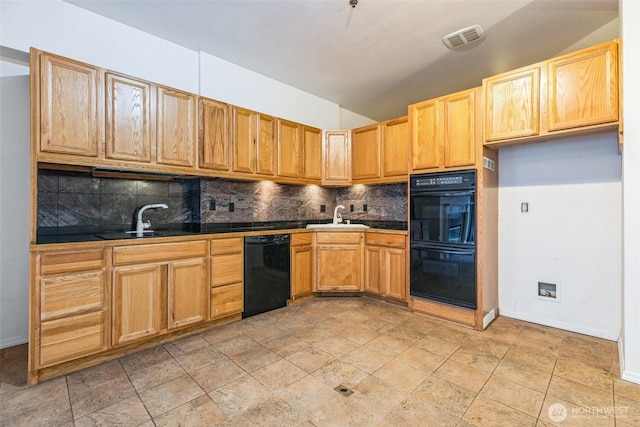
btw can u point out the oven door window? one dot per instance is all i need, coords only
(443, 217)
(446, 275)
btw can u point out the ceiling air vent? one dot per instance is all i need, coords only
(464, 37)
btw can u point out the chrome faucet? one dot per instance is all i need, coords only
(337, 218)
(141, 226)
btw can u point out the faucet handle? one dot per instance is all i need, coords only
(146, 224)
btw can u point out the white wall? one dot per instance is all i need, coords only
(14, 210)
(630, 338)
(571, 235)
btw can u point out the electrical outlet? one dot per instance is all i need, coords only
(364, 208)
(524, 207)
(351, 208)
(212, 204)
(232, 207)
(323, 208)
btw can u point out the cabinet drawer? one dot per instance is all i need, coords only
(70, 295)
(227, 246)
(338, 238)
(71, 337)
(227, 299)
(380, 239)
(139, 254)
(301, 239)
(226, 269)
(67, 261)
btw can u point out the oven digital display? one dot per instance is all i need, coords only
(443, 180)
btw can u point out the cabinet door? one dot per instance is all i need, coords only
(365, 148)
(289, 149)
(301, 270)
(512, 106)
(373, 269)
(312, 143)
(128, 127)
(188, 292)
(176, 123)
(337, 157)
(214, 135)
(425, 135)
(339, 268)
(244, 140)
(137, 303)
(266, 145)
(459, 129)
(395, 147)
(70, 107)
(583, 88)
(395, 273)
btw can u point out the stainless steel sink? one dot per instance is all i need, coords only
(337, 226)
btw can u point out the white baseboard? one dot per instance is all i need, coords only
(561, 325)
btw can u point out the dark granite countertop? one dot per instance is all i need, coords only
(94, 234)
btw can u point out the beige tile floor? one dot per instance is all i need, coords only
(280, 369)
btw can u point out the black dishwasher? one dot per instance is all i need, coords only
(266, 273)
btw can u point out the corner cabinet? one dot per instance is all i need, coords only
(158, 287)
(445, 133)
(577, 92)
(336, 155)
(339, 261)
(385, 265)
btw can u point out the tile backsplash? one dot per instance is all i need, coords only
(72, 199)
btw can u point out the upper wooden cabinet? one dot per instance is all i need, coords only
(365, 151)
(573, 92)
(336, 167)
(396, 150)
(582, 87)
(176, 128)
(254, 143)
(380, 152)
(67, 96)
(130, 124)
(444, 132)
(299, 152)
(312, 149)
(213, 135)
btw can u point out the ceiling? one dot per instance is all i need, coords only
(378, 57)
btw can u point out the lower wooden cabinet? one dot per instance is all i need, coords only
(386, 265)
(227, 276)
(339, 261)
(301, 264)
(158, 287)
(69, 306)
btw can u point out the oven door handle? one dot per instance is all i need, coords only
(442, 193)
(446, 251)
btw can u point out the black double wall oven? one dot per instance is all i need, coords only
(442, 231)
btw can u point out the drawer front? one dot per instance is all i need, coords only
(70, 295)
(139, 254)
(68, 261)
(338, 238)
(382, 239)
(71, 337)
(227, 300)
(227, 246)
(302, 239)
(226, 269)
